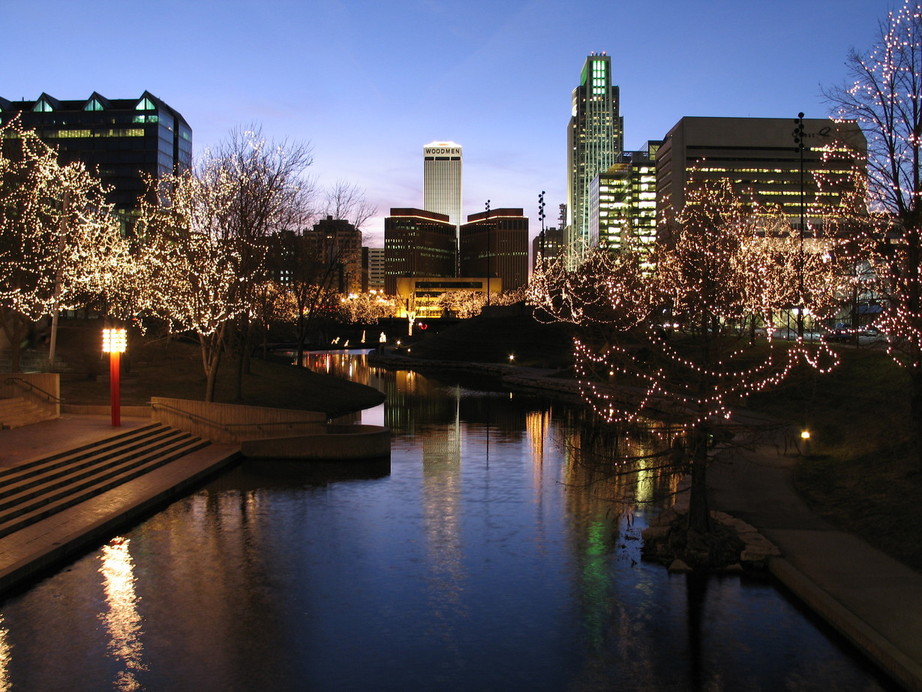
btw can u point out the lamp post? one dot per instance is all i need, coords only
(114, 342)
(486, 218)
(541, 217)
(799, 141)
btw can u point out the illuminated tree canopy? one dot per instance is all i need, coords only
(884, 94)
(188, 268)
(682, 348)
(60, 246)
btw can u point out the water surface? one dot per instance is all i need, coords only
(485, 556)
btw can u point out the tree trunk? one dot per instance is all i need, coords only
(915, 408)
(699, 516)
(16, 328)
(243, 355)
(211, 359)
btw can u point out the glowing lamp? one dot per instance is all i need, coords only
(114, 342)
(511, 357)
(805, 435)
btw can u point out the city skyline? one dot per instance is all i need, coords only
(367, 85)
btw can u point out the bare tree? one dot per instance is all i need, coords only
(270, 193)
(347, 201)
(310, 285)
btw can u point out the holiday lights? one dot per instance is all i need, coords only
(883, 94)
(682, 348)
(59, 242)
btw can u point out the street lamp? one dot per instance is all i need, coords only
(114, 342)
(799, 136)
(489, 256)
(541, 217)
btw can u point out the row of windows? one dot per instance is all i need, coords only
(86, 134)
(44, 106)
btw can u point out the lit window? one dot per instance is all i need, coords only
(145, 104)
(42, 106)
(93, 105)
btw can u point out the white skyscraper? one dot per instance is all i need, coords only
(442, 179)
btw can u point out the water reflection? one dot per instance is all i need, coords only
(500, 552)
(4, 657)
(121, 619)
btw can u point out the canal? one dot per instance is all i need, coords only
(488, 555)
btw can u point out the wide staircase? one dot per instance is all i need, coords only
(38, 489)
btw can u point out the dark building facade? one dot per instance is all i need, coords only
(547, 244)
(494, 243)
(759, 155)
(417, 243)
(337, 244)
(121, 140)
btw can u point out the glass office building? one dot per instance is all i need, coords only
(121, 140)
(594, 142)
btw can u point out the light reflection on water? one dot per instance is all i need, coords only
(122, 620)
(488, 557)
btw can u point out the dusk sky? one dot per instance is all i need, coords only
(367, 83)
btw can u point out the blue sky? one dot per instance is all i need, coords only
(368, 82)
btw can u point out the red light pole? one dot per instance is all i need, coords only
(114, 342)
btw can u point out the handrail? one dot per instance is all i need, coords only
(48, 395)
(227, 426)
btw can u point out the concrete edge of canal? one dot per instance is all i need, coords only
(878, 648)
(30, 552)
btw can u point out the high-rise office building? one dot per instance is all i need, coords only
(623, 202)
(121, 140)
(547, 244)
(595, 137)
(442, 180)
(759, 155)
(338, 246)
(373, 267)
(417, 243)
(494, 243)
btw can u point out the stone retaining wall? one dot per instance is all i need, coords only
(230, 423)
(47, 382)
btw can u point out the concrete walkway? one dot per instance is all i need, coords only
(873, 600)
(27, 553)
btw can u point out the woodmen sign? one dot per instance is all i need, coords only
(442, 151)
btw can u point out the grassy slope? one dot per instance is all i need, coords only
(174, 369)
(862, 473)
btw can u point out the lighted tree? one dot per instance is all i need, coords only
(59, 242)
(189, 268)
(462, 304)
(680, 349)
(365, 308)
(884, 94)
(467, 304)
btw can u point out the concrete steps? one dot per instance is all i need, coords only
(18, 411)
(42, 487)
